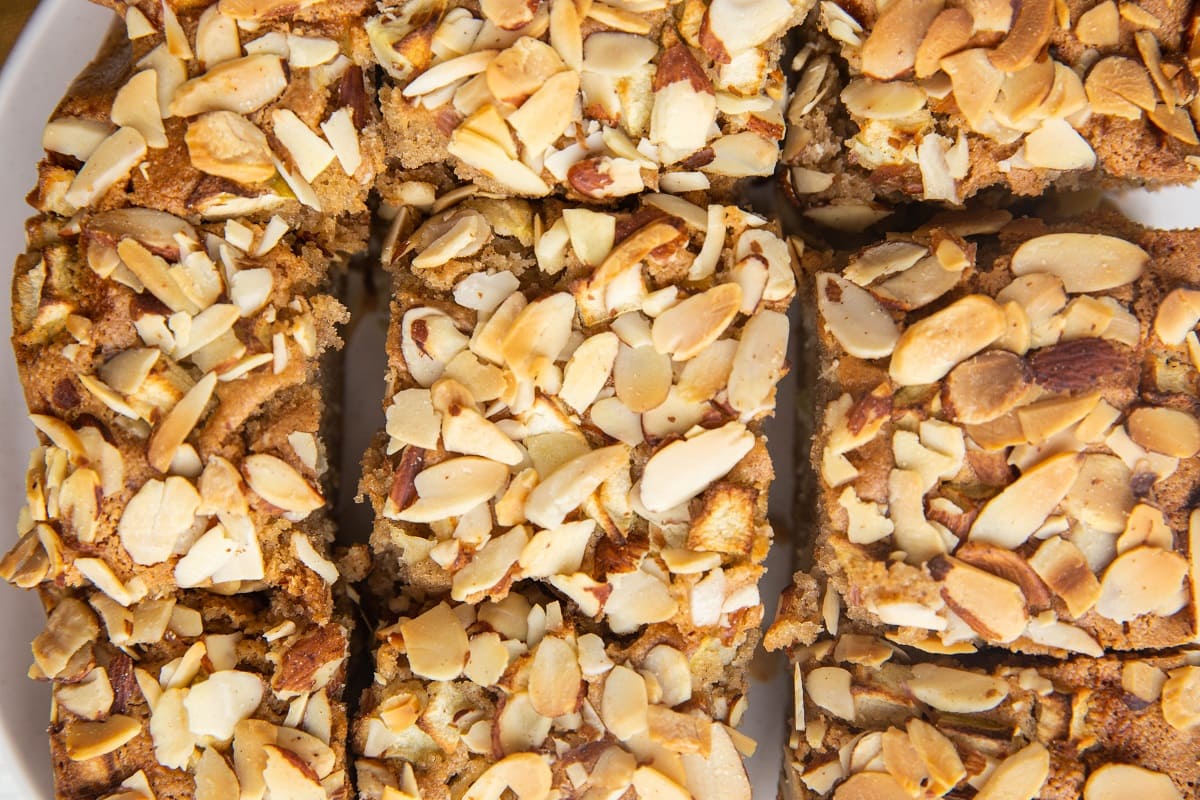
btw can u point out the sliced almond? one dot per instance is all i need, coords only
(243, 85)
(976, 84)
(683, 469)
(555, 679)
(526, 775)
(758, 363)
(85, 740)
(949, 32)
(1031, 29)
(930, 348)
(872, 100)
(623, 706)
(567, 487)
(136, 106)
(859, 323)
(436, 644)
(310, 153)
(685, 329)
(993, 607)
(216, 705)
(588, 370)
(1056, 145)
(156, 517)
(1085, 262)
(1100, 25)
(453, 487)
(111, 162)
(1181, 698)
(1064, 568)
(830, 688)
(1012, 516)
(277, 482)
(891, 49)
(1114, 781)
(178, 424)
(871, 786)
(1145, 580)
(956, 691)
(1142, 680)
(1022, 774)
(1165, 430)
(1101, 497)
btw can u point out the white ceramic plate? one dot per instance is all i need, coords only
(58, 42)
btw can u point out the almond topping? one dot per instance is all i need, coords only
(623, 706)
(1012, 516)
(110, 163)
(555, 679)
(177, 425)
(949, 32)
(683, 469)
(933, 346)
(436, 644)
(891, 49)
(1064, 568)
(565, 489)
(526, 775)
(1031, 29)
(1100, 25)
(853, 316)
(1165, 430)
(1023, 774)
(243, 85)
(85, 740)
(956, 691)
(993, 607)
(1144, 580)
(871, 786)
(685, 329)
(1085, 262)
(277, 482)
(453, 487)
(1119, 781)
(1181, 698)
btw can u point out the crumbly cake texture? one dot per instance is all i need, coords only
(172, 319)
(595, 101)
(946, 99)
(571, 497)
(877, 720)
(153, 123)
(192, 696)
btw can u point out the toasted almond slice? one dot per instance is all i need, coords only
(136, 105)
(1085, 262)
(215, 779)
(436, 644)
(684, 330)
(588, 370)
(1022, 774)
(526, 775)
(871, 786)
(1064, 568)
(309, 152)
(641, 377)
(976, 84)
(216, 705)
(930, 348)
(891, 49)
(152, 271)
(453, 487)
(277, 482)
(156, 517)
(623, 705)
(1141, 581)
(949, 32)
(1166, 431)
(86, 740)
(490, 565)
(1046, 418)
(1117, 781)
(855, 318)
(758, 363)
(286, 775)
(1056, 145)
(465, 430)
(1100, 25)
(993, 607)
(829, 688)
(111, 161)
(545, 116)
(75, 136)
(243, 85)
(178, 424)
(217, 38)
(555, 680)
(1180, 696)
(1031, 29)
(1177, 315)
(684, 468)
(882, 101)
(567, 487)
(538, 335)
(1012, 516)
(956, 691)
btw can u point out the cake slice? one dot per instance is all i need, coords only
(175, 376)
(1008, 439)
(571, 496)
(946, 100)
(192, 696)
(596, 101)
(223, 110)
(873, 719)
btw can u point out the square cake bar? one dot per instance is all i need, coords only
(946, 99)
(875, 720)
(192, 696)
(595, 100)
(573, 473)
(1008, 437)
